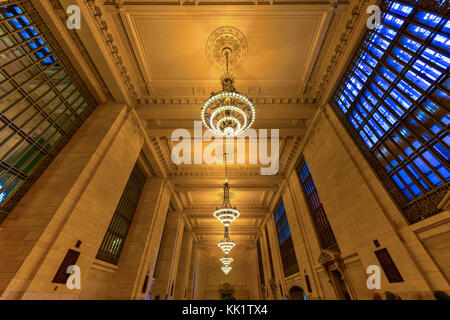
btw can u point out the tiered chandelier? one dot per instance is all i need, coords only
(226, 269)
(226, 260)
(226, 244)
(228, 112)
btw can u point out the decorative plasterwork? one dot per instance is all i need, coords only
(315, 125)
(201, 99)
(342, 45)
(102, 27)
(134, 120)
(226, 37)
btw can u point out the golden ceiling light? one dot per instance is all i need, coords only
(226, 260)
(226, 213)
(226, 269)
(226, 244)
(228, 112)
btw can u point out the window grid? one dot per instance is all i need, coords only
(116, 234)
(324, 233)
(394, 100)
(43, 100)
(287, 251)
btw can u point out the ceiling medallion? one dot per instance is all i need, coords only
(227, 112)
(226, 37)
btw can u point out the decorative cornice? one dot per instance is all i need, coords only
(102, 27)
(342, 45)
(200, 100)
(132, 117)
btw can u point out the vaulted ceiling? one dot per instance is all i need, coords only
(169, 71)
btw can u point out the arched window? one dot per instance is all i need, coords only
(394, 100)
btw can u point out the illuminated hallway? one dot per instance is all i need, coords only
(338, 189)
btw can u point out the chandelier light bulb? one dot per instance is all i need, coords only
(226, 213)
(226, 244)
(228, 112)
(226, 260)
(226, 269)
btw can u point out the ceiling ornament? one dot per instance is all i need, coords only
(226, 269)
(227, 112)
(226, 244)
(226, 260)
(226, 213)
(226, 37)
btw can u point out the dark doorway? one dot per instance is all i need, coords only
(339, 284)
(296, 293)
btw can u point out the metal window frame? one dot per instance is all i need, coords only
(425, 205)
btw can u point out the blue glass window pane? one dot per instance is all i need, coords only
(417, 80)
(441, 41)
(426, 70)
(427, 171)
(443, 151)
(394, 64)
(393, 21)
(428, 18)
(365, 139)
(436, 164)
(387, 74)
(401, 9)
(419, 32)
(402, 187)
(387, 32)
(394, 107)
(380, 120)
(409, 44)
(408, 90)
(401, 55)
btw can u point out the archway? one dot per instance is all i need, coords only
(296, 293)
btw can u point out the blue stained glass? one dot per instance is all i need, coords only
(378, 92)
(443, 151)
(418, 177)
(400, 98)
(446, 27)
(380, 120)
(441, 41)
(365, 139)
(387, 74)
(376, 128)
(427, 171)
(426, 70)
(355, 125)
(419, 32)
(383, 84)
(370, 97)
(409, 44)
(350, 96)
(436, 164)
(370, 134)
(417, 80)
(401, 55)
(393, 91)
(402, 187)
(387, 32)
(410, 92)
(394, 64)
(366, 104)
(393, 21)
(380, 42)
(436, 58)
(428, 18)
(361, 110)
(361, 75)
(401, 9)
(365, 68)
(342, 106)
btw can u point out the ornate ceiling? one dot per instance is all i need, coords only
(162, 59)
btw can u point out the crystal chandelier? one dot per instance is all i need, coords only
(226, 269)
(226, 244)
(226, 260)
(226, 213)
(228, 112)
